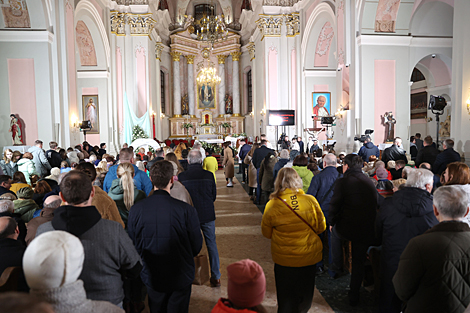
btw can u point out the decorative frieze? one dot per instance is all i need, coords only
(385, 26)
(280, 3)
(132, 2)
(270, 25)
(141, 24)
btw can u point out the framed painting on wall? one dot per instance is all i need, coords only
(418, 105)
(321, 103)
(206, 97)
(90, 112)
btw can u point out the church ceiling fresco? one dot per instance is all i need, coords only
(15, 13)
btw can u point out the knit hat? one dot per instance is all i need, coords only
(25, 193)
(52, 260)
(246, 283)
(55, 172)
(381, 173)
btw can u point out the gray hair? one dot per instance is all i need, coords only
(53, 205)
(330, 159)
(419, 178)
(92, 158)
(197, 145)
(449, 143)
(451, 201)
(195, 156)
(6, 206)
(61, 176)
(284, 154)
(406, 171)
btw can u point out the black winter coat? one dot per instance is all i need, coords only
(12, 252)
(407, 214)
(321, 184)
(259, 154)
(353, 207)
(201, 186)
(167, 235)
(447, 156)
(427, 154)
(394, 153)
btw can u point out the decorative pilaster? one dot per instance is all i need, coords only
(176, 84)
(236, 82)
(222, 58)
(192, 104)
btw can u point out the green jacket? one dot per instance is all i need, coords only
(26, 166)
(117, 194)
(306, 176)
(25, 207)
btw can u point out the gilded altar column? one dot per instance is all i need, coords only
(176, 84)
(236, 83)
(222, 58)
(192, 105)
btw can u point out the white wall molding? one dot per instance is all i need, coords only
(93, 74)
(429, 42)
(381, 40)
(319, 73)
(27, 36)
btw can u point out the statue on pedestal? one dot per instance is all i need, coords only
(185, 105)
(444, 132)
(228, 104)
(15, 130)
(389, 122)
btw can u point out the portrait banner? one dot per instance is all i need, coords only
(321, 104)
(90, 112)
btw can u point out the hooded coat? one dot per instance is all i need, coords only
(117, 194)
(40, 161)
(305, 174)
(27, 167)
(26, 208)
(367, 150)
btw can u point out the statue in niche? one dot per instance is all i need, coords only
(185, 105)
(389, 122)
(15, 130)
(228, 104)
(445, 129)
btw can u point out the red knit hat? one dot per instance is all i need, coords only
(246, 283)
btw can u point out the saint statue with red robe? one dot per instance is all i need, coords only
(15, 130)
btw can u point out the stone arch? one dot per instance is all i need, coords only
(432, 18)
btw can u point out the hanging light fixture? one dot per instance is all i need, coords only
(208, 76)
(211, 28)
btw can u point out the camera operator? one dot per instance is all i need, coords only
(286, 143)
(368, 149)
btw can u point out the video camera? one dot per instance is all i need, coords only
(365, 136)
(281, 139)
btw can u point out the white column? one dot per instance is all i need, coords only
(236, 83)
(192, 107)
(176, 84)
(222, 84)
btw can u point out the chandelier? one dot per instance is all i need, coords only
(212, 29)
(208, 76)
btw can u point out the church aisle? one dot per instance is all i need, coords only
(239, 237)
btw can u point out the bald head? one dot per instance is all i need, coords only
(8, 228)
(329, 160)
(52, 202)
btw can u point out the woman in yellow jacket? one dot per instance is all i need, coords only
(210, 163)
(295, 246)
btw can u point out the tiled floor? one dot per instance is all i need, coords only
(239, 237)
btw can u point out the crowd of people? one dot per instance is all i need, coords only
(94, 232)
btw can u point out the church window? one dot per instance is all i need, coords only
(162, 86)
(417, 76)
(249, 91)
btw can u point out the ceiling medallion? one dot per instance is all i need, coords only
(206, 53)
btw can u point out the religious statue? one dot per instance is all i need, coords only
(185, 105)
(90, 110)
(15, 130)
(228, 104)
(445, 129)
(389, 122)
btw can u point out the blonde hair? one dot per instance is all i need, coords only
(287, 178)
(125, 172)
(103, 166)
(5, 156)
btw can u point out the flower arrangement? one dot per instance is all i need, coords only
(138, 132)
(207, 125)
(226, 125)
(187, 126)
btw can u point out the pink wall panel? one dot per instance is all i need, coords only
(141, 73)
(119, 87)
(22, 86)
(384, 96)
(340, 33)
(93, 139)
(72, 79)
(294, 80)
(322, 51)
(273, 86)
(320, 88)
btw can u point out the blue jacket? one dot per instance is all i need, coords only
(244, 151)
(367, 150)
(320, 185)
(167, 235)
(277, 167)
(141, 180)
(447, 156)
(201, 186)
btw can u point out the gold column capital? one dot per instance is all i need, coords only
(190, 58)
(222, 58)
(158, 50)
(176, 56)
(236, 56)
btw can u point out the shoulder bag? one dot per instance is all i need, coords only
(311, 227)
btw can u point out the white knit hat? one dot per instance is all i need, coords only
(52, 260)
